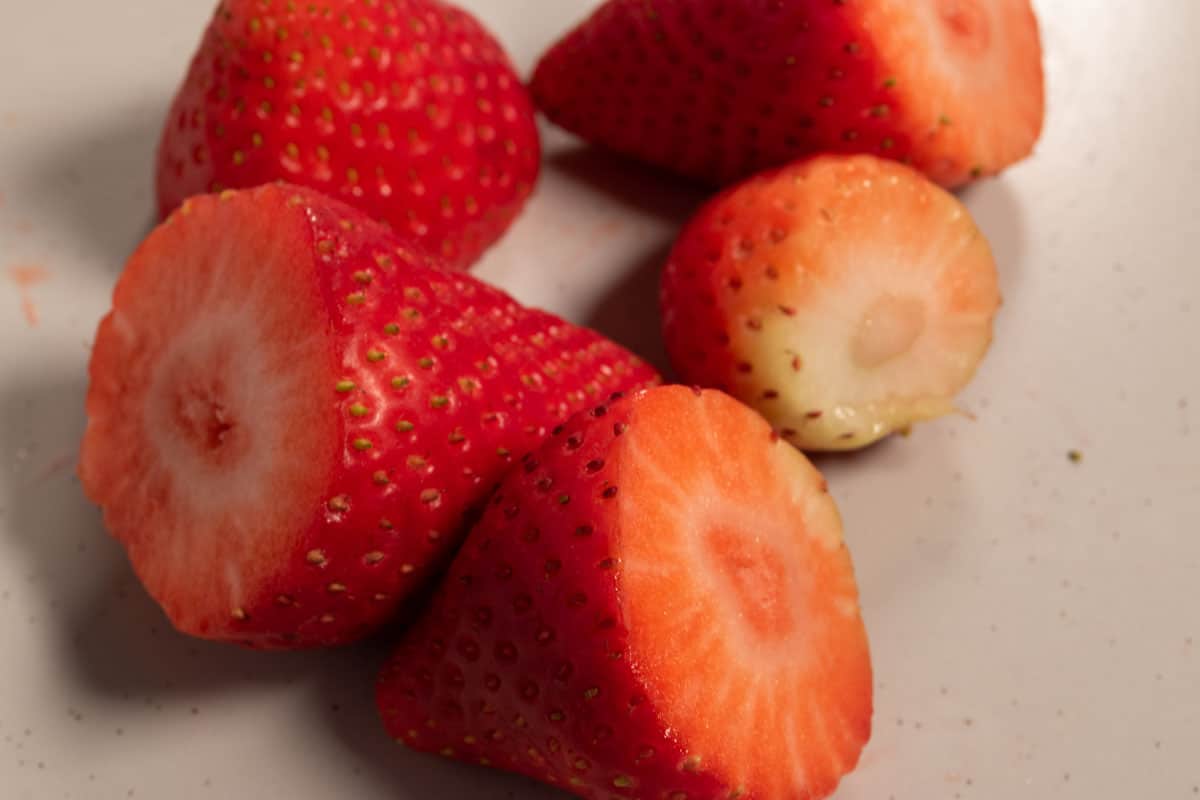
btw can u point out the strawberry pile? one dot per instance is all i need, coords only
(306, 421)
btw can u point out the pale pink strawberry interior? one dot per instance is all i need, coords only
(739, 596)
(959, 68)
(210, 426)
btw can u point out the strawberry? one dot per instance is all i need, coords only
(291, 414)
(845, 298)
(721, 89)
(406, 109)
(657, 604)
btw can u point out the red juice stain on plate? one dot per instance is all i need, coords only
(26, 277)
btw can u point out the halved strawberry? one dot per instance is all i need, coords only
(720, 89)
(291, 415)
(407, 109)
(845, 298)
(658, 604)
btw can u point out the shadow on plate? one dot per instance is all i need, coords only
(645, 189)
(905, 507)
(95, 181)
(628, 313)
(113, 639)
(998, 213)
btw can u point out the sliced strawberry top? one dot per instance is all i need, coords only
(407, 109)
(658, 604)
(720, 90)
(844, 297)
(967, 76)
(293, 414)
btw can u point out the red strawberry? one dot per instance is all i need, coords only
(845, 298)
(290, 415)
(406, 109)
(720, 89)
(658, 604)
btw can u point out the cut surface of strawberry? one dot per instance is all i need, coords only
(210, 435)
(408, 109)
(658, 604)
(967, 77)
(293, 413)
(845, 298)
(720, 90)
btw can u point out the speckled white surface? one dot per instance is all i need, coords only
(1035, 622)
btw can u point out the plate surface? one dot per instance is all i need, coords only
(1035, 621)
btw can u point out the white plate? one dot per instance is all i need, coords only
(1035, 622)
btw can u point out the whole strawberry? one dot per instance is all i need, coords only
(657, 604)
(292, 415)
(406, 109)
(843, 297)
(721, 89)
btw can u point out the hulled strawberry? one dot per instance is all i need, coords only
(406, 109)
(657, 604)
(721, 89)
(291, 415)
(845, 298)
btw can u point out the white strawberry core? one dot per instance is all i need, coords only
(888, 329)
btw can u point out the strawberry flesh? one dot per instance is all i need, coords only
(844, 297)
(658, 603)
(293, 412)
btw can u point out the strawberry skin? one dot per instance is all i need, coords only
(656, 604)
(721, 89)
(407, 109)
(292, 413)
(843, 297)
